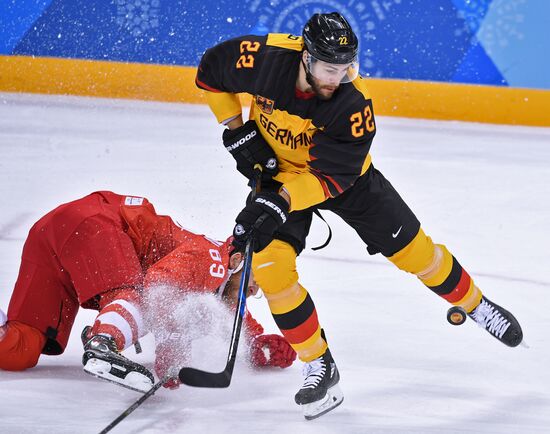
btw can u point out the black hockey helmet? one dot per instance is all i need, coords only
(329, 37)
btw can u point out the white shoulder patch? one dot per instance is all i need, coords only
(133, 201)
(215, 242)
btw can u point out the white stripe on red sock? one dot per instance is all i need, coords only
(122, 320)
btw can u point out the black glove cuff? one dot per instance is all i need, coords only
(239, 138)
(274, 204)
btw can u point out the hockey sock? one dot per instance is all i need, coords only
(436, 268)
(449, 280)
(120, 317)
(295, 315)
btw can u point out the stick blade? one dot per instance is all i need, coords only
(197, 378)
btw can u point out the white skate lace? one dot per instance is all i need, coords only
(490, 319)
(313, 372)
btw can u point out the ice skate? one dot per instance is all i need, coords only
(102, 359)
(320, 392)
(498, 322)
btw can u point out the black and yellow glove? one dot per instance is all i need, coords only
(260, 219)
(248, 147)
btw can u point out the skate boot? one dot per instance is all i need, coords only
(102, 359)
(86, 335)
(498, 322)
(320, 392)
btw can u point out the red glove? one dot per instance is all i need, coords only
(252, 327)
(166, 362)
(271, 350)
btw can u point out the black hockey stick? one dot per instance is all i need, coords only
(195, 377)
(136, 404)
(198, 378)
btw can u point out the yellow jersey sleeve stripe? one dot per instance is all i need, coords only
(361, 86)
(285, 40)
(223, 105)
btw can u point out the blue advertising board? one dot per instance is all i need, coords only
(493, 42)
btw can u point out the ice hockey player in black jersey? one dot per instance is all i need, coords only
(311, 128)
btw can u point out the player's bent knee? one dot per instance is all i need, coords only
(430, 262)
(416, 256)
(274, 267)
(20, 347)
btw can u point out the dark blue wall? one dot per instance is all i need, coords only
(436, 40)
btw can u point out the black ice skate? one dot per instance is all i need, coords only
(102, 359)
(497, 321)
(320, 392)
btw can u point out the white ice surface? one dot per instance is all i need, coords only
(482, 190)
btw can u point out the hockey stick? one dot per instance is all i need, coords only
(136, 404)
(195, 377)
(198, 378)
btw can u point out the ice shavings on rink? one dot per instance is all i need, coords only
(481, 189)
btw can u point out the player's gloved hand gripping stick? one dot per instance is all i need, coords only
(198, 378)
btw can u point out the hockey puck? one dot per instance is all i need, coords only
(456, 315)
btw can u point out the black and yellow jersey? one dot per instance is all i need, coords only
(322, 146)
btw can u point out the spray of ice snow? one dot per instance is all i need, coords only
(190, 330)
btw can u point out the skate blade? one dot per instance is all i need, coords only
(133, 380)
(524, 344)
(332, 399)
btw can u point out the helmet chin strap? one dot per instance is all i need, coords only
(238, 268)
(230, 273)
(309, 76)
